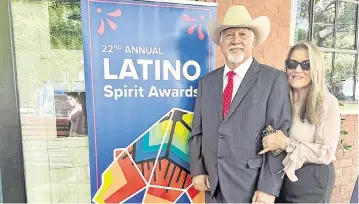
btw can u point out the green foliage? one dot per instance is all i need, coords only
(343, 70)
(301, 34)
(65, 25)
(343, 134)
(324, 15)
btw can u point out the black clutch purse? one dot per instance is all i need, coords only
(267, 131)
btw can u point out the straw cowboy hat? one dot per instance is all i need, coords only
(238, 17)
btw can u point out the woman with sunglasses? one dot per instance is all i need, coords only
(314, 134)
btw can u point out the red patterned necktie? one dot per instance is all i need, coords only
(227, 94)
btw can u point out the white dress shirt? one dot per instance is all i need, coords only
(238, 77)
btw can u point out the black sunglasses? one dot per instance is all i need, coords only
(292, 64)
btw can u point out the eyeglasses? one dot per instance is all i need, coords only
(292, 64)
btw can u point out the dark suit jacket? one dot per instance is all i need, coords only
(227, 148)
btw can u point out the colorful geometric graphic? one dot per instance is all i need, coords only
(155, 167)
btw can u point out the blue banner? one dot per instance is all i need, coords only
(143, 62)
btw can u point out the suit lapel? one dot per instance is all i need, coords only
(218, 89)
(248, 80)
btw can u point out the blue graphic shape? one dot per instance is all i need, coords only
(137, 198)
(184, 199)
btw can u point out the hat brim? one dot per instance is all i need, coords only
(260, 27)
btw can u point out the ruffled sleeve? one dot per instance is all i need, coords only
(322, 151)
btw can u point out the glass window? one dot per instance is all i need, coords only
(49, 63)
(343, 74)
(334, 28)
(301, 16)
(356, 82)
(328, 64)
(323, 24)
(65, 25)
(324, 11)
(346, 24)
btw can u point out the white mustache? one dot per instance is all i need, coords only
(236, 47)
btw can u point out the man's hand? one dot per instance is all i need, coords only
(261, 197)
(201, 182)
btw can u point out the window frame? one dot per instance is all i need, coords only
(335, 50)
(12, 181)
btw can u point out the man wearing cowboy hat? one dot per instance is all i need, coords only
(234, 104)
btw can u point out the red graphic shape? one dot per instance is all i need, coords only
(116, 13)
(144, 167)
(113, 25)
(192, 192)
(200, 33)
(134, 181)
(101, 28)
(191, 29)
(188, 18)
(166, 194)
(168, 174)
(117, 152)
(98, 10)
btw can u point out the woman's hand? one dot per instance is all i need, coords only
(274, 141)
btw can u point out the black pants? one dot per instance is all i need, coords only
(354, 198)
(315, 185)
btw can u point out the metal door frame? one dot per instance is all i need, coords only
(13, 188)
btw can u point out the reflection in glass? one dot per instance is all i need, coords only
(324, 11)
(302, 20)
(356, 78)
(343, 75)
(65, 25)
(323, 35)
(346, 21)
(324, 14)
(49, 64)
(328, 64)
(327, 20)
(71, 115)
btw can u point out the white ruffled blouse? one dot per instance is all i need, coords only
(318, 142)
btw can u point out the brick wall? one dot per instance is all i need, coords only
(273, 52)
(346, 166)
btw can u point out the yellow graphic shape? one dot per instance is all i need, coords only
(188, 118)
(157, 133)
(180, 137)
(199, 198)
(113, 179)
